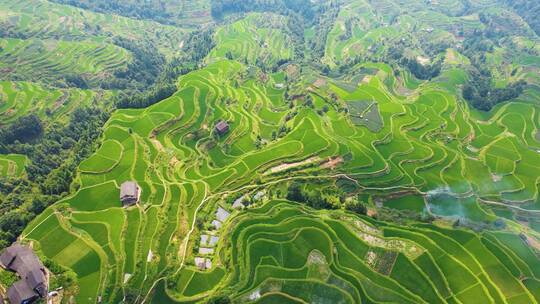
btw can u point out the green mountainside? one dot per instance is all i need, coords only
(375, 151)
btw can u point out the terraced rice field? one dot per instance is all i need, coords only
(12, 165)
(50, 21)
(367, 28)
(41, 60)
(375, 132)
(428, 143)
(258, 38)
(18, 98)
(285, 252)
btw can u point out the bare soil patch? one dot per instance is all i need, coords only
(332, 163)
(283, 167)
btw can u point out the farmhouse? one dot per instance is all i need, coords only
(222, 127)
(222, 214)
(129, 193)
(33, 283)
(258, 196)
(204, 240)
(203, 263)
(205, 250)
(216, 224)
(239, 203)
(213, 241)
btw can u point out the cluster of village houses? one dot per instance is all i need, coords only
(130, 195)
(33, 283)
(209, 239)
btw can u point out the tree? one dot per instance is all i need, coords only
(24, 129)
(356, 206)
(294, 192)
(221, 299)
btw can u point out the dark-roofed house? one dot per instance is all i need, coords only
(129, 193)
(21, 293)
(222, 127)
(33, 283)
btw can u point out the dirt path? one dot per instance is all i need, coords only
(286, 166)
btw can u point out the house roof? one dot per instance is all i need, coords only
(26, 262)
(20, 292)
(203, 263)
(22, 260)
(200, 262)
(204, 240)
(222, 214)
(238, 203)
(129, 188)
(222, 126)
(205, 250)
(35, 279)
(259, 195)
(8, 255)
(213, 241)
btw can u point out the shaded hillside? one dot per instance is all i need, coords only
(528, 10)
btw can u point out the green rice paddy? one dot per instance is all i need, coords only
(429, 143)
(20, 98)
(399, 142)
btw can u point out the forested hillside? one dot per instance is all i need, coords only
(529, 10)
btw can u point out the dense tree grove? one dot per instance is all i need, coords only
(54, 154)
(198, 45)
(326, 199)
(483, 95)
(422, 71)
(529, 10)
(312, 198)
(480, 89)
(24, 129)
(143, 70)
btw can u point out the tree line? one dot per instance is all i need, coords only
(480, 90)
(197, 47)
(529, 10)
